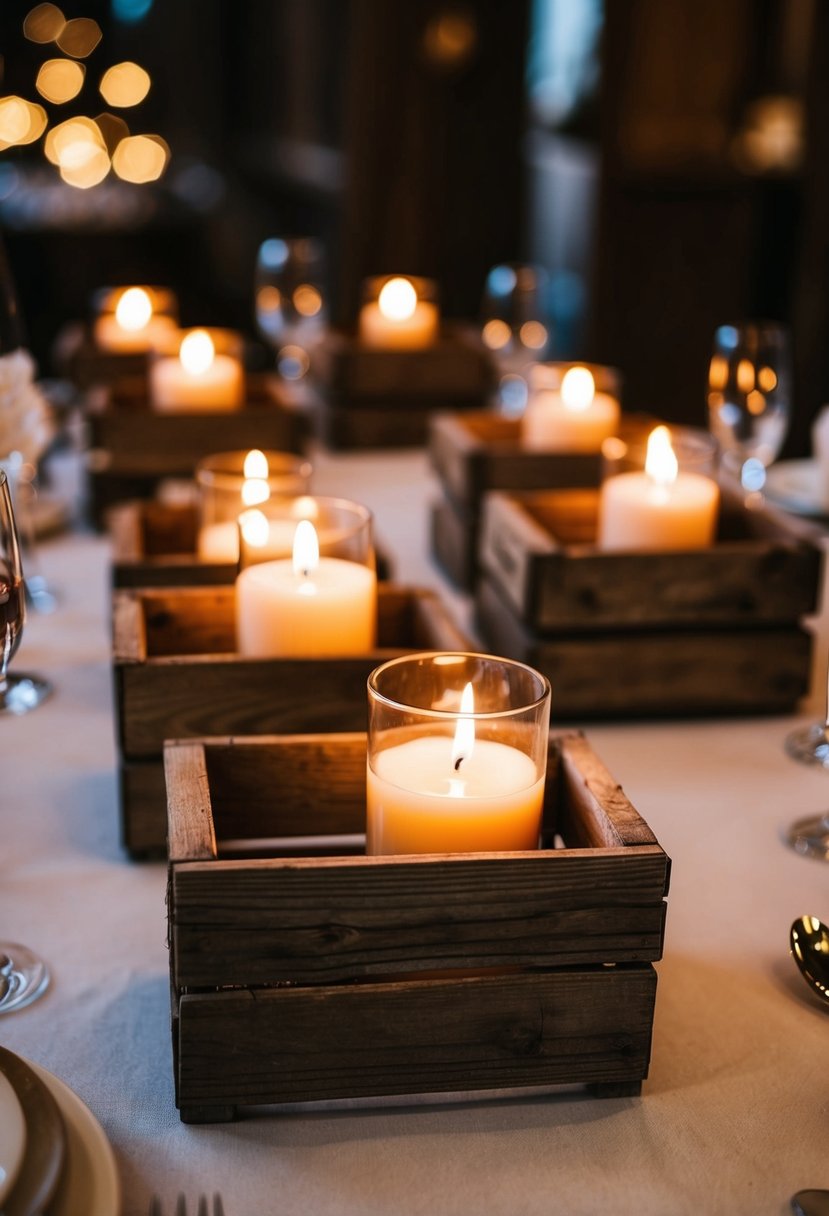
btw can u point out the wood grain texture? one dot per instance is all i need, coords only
(437, 1036)
(540, 551)
(679, 672)
(143, 805)
(190, 830)
(454, 542)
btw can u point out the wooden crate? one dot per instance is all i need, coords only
(377, 398)
(133, 447)
(177, 675)
(154, 544)
(299, 977)
(695, 632)
(79, 359)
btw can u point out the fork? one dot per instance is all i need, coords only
(181, 1206)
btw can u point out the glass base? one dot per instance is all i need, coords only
(810, 837)
(23, 692)
(23, 977)
(809, 745)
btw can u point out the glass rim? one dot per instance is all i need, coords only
(225, 478)
(448, 715)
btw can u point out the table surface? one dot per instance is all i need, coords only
(733, 1117)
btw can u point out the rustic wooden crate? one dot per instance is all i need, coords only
(377, 398)
(177, 675)
(79, 359)
(297, 977)
(701, 631)
(154, 544)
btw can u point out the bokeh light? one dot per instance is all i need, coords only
(79, 37)
(45, 23)
(125, 84)
(141, 158)
(21, 122)
(59, 80)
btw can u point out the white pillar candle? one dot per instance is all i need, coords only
(306, 605)
(198, 378)
(398, 320)
(574, 418)
(133, 328)
(660, 508)
(436, 794)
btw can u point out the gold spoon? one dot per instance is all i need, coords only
(809, 944)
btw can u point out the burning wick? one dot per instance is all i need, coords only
(464, 740)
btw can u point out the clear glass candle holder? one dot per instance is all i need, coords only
(228, 483)
(307, 583)
(515, 328)
(134, 320)
(457, 754)
(399, 312)
(572, 407)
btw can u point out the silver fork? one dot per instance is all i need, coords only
(181, 1206)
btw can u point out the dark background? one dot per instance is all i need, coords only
(635, 148)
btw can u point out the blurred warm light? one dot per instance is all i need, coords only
(773, 135)
(292, 362)
(307, 300)
(79, 37)
(255, 464)
(496, 334)
(660, 462)
(45, 23)
(125, 84)
(113, 129)
(745, 375)
(255, 528)
(73, 130)
(141, 158)
(84, 164)
(533, 334)
(767, 379)
(21, 122)
(134, 309)
(268, 299)
(718, 372)
(196, 352)
(578, 389)
(254, 491)
(306, 552)
(397, 300)
(59, 80)
(755, 402)
(449, 39)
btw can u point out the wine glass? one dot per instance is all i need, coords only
(289, 286)
(515, 328)
(749, 399)
(810, 745)
(23, 976)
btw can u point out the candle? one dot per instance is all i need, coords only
(306, 605)
(574, 418)
(438, 794)
(398, 319)
(134, 327)
(198, 379)
(661, 508)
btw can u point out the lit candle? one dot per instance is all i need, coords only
(661, 508)
(574, 418)
(219, 542)
(198, 379)
(133, 328)
(306, 605)
(438, 794)
(397, 319)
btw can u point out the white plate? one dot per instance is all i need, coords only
(12, 1136)
(795, 485)
(89, 1183)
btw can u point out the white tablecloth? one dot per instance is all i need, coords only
(733, 1117)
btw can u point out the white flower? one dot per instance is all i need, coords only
(26, 422)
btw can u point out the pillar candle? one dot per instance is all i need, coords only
(133, 328)
(306, 605)
(198, 378)
(660, 508)
(574, 418)
(398, 320)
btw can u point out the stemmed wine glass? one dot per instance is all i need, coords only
(515, 328)
(810, 745)
(290, 305)
(23, 976)
(749, 399)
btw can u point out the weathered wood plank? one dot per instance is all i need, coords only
(190, 831)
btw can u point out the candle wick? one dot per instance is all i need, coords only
(458, 763)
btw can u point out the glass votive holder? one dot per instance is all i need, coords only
(457, 754)
(134, 320)
(307, 583)
(515, 328)
(198, 370)
(659, 490)
(572, 407)
(399, 312)
(228, 483)
(290, 300)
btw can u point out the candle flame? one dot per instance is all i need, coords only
(397, 300)
(577, 390)
(464, 741)
(134, 309)
(196, 352)
(254, 491)
(256, 464)
(661, 463)
(255, 529)
(306, 549)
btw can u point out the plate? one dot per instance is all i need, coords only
(89, 1183)
(45, 1153)
(796, 486)
(12, 1136)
